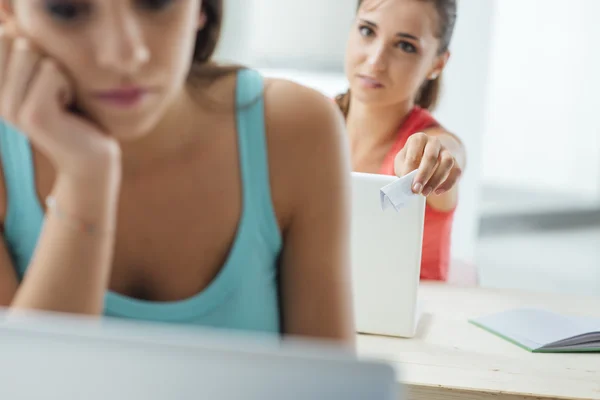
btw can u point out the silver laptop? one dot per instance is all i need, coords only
(60, 358)
(386, 259)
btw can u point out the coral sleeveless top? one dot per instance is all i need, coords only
(438, 224)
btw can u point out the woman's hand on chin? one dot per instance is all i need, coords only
(35, 95)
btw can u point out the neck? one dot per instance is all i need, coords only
(165, 140)
(372, 126)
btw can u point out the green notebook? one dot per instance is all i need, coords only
(541, 331)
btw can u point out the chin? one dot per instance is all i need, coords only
(379, 97)
(128, 136)
(129, 129)
(370, 96)
(125, 123)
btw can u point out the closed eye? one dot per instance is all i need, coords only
(65, 10)
(155, 5)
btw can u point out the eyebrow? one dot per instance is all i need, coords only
(399, 34)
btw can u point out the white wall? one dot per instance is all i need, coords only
(286, 35)
(543, 131)
(463, 111)
(236, 32)
(305, 34)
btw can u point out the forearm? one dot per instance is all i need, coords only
(70, 269)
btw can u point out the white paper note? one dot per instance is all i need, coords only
(398, 193)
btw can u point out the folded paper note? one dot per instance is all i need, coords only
(398, 193)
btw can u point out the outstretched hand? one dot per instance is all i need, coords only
(438, 170)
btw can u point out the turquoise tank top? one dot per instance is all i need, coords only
(244, 295)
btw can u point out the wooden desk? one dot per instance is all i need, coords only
(452, 359)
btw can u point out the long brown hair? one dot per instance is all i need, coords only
(204, 71)
(429, 94)
(203, 68)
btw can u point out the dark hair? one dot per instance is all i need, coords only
(429, 93)
(203, 68)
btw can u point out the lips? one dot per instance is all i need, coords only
(370, 82)
(122, 97)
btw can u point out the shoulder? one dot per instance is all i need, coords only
(301, 110)
(302, 121)
(423, 114)
(424, 121)
(419, 120)
(306, 141)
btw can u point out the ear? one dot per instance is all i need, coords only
(5, 11)
(202, 20)
(7, 17)
(438, 66)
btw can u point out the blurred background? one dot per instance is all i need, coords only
(521, 92)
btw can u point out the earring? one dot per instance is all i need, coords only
(202, 21)
(433, 76)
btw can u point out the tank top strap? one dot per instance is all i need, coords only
(23, 211)
(253, 153)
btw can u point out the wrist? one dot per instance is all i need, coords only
(103, 185)
(104, 177)
(93, 200)
(102, 168)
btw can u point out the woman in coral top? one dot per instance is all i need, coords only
(394, 60)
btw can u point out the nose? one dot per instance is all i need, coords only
(121, 45)
(377, 57)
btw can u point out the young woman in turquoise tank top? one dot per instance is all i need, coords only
(141, 180)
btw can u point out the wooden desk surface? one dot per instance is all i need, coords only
(452, 359)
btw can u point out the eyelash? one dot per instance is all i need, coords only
(68, 11)
(362, 29)
(407, 47)
(157, 5)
